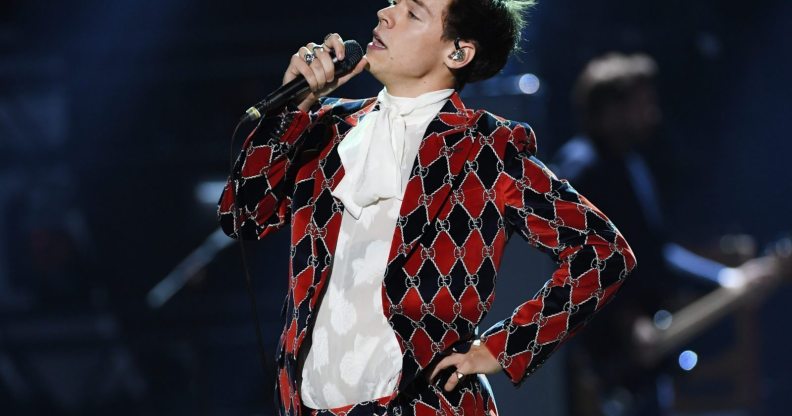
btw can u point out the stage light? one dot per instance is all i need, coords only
(688, 360)
(209, 192)
(529, 84)
(662, 319)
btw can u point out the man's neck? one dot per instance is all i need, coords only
(415, 89)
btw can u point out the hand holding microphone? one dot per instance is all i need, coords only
(314, 71)
(321, 72)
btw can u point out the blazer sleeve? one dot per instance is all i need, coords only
(256, 199)
(593, 259)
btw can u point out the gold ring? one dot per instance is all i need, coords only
(459, 375)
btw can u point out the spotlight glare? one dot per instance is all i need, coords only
(662, 319)
(529, 84)
(208, 192)
(688, 360)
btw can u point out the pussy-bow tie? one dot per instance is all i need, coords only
(372, 152)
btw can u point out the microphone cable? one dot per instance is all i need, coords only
(237, 213)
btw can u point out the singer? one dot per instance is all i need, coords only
(400, 208)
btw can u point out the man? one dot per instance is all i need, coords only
(619, 113)
(407, 200)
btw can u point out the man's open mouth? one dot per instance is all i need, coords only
(378, 42)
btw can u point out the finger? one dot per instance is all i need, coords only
(319, 74)
(361, 65)
(444, 363)
(438, 367)
(323, 56)
(335, 43)
(452, 382)
(317, 68)
(462, 367)
(293, 70)
(302, 68)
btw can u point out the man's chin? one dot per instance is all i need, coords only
(378, 70)
(372, 67)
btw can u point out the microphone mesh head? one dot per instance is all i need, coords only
(353, 53)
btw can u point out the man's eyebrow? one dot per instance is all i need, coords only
(422, 4)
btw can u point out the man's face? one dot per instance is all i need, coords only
(408, 42)
(634, 120)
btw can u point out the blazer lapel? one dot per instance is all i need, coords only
(442, 154)
(447, 144)
(344, 124)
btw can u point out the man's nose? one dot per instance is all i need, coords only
(385, 17)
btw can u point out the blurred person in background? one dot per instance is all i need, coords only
(615, 368)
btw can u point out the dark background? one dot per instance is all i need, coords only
(113, 114)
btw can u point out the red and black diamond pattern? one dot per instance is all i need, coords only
(474, 183)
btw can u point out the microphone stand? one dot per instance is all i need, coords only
(186, 270)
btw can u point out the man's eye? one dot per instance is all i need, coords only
(412, 16)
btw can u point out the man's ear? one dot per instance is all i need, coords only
(458, 58)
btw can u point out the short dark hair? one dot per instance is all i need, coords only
(494, 26)
(609, 79)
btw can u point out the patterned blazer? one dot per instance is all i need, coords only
(475, 182)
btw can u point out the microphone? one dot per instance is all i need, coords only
(353, 53)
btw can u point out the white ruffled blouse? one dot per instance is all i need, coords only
(354, 355)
